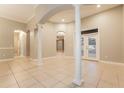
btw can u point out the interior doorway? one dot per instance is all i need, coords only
(19, 43)
(90, 46)
(60, 42)
(16, 44)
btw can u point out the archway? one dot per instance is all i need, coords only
(60, 42)
(77, 35)
(19, 43)
(53, 11)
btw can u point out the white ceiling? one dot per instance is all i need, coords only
(24, 12)
(17, 12)
(86, 10)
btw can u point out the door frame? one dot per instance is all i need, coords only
(62, 45)
(98, 47)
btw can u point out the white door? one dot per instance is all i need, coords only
(90, 46)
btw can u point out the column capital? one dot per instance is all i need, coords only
(39, 25)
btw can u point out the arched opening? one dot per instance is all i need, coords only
(56, 34)
(60, 42)
(54, 11)
(49, 36)
(19, 43)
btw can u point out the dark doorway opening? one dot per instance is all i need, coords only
(60, 44)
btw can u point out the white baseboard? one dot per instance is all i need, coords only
(72, 57)
(31, 59)
(49, 57)
(19, 56)
(69, 57)
(111, 62)
(9, 59)
(102, 61)
(46, 58)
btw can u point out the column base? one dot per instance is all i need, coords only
(39, 63)
(36, 62)
(78, 82)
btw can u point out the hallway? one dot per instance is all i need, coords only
(58, 72)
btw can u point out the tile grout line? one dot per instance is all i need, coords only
(118, 79)
(32, 75)
(59, 81)
(48, 75)
(99, 79)
(39, 81)
(27, 69)
(14, 75)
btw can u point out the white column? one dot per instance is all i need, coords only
(39, 44)
(78, 68)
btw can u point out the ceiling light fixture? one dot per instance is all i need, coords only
(17, 31)
(98, 6)
(63, 20)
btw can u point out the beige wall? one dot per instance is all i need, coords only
(32, 45)
(68, 29)
(7, 28)
(49, 40)
(110, 28)
(123, 36)
(49, 35)
(109, 24)
(69, 39)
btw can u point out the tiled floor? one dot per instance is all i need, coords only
(58, 73)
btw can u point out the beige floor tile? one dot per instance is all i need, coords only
(59, 85)
(60, 76)
(104, 84)
(49, 82)
(88, 85)
(36, 86)
(21, 77)
(13, 86)
(28, 83)
(67, 81)
(58, 73)
(6, 81)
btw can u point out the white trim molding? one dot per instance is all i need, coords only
(45, 58)
(102, 61)
(8, 59)
(32, 59)
(19, 57)
(111, 62)
(6, 48)
(69, 57)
